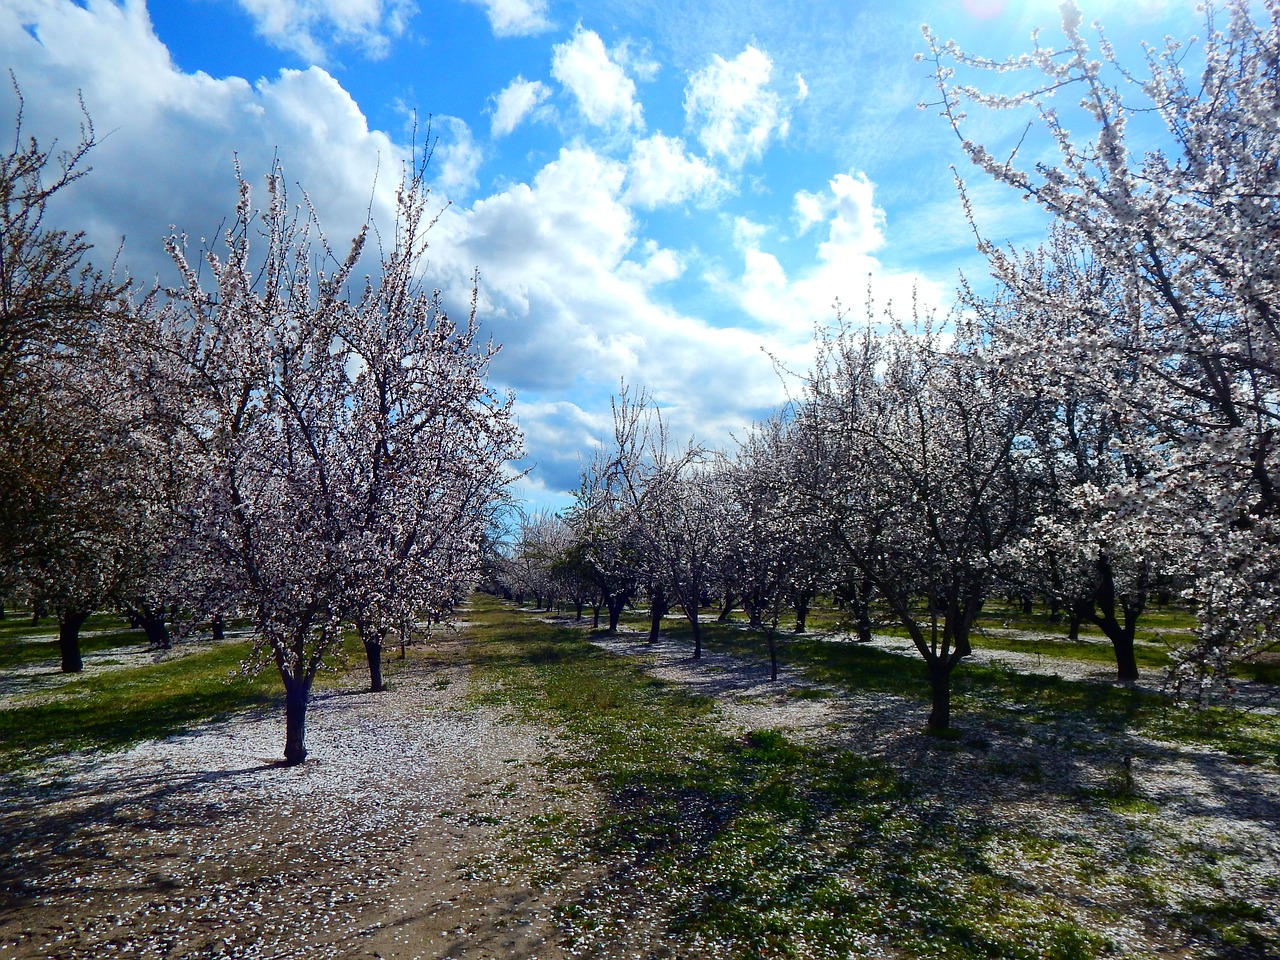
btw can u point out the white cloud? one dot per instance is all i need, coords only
(309, 27)
(790, 305)
(605, 94)
(173, 137)
(856, 228)
(566, 287)
(731, 106)
(567, 276)
(515, 102)
(662, 173)
(810, 208)
(802, 88)
(661, 265)
(516, 18)
(457, 158)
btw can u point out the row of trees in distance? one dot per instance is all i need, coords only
(1098, 424)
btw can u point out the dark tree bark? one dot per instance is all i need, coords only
(773, 652)
(296, 693)
(70, 621)
(1116, 615)
(219, 627)
(802, 602)
(373, 640)
(657, 610)
(696, 625)
(726, 608)
(940, 688)
(615, 605)
(153, 624)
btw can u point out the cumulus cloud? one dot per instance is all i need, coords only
(516, 18)
(456, 159)
(662, 173)
(517, 100)
(567, 276)
(600, 85)
(566, 287)
(731, 106)
(168, 159)
(309, 27)
(789, 304)
(810, 208)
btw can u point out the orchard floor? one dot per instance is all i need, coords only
(200, 845)
(384, 843)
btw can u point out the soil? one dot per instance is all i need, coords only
(390, 840)
(200, 845)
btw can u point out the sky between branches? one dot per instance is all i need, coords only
(670, 192)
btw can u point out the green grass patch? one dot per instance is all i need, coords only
(22, 644)
(754, 846)
(984, 694)
(118, 708)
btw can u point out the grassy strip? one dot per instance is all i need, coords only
(984, 695)
(121, 707)
(757, 846)
(22, 644)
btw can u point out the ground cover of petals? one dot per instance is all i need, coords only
(488, 806)
(200, 845)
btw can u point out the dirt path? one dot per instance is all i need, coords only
(199, 846)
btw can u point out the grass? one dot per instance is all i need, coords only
(22, 644)
(753, 846)
(117, 708)
(983, 695)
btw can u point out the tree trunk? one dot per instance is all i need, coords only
(373, 654)
(657, 610)
(726, 607)
(219, 628)
(940, 685)
(615, 612)
(802, 611)
(1126, 658)
(38, 612)
(696, 624)
(863, 613)
(773, 652)
(69, 623)
(152, 623)
(296, 693)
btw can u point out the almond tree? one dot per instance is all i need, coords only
(1093, 549)
(427, 444)
(928, 492)
(65, 493)
(669, 495)
(350, 449)
(1185, 223)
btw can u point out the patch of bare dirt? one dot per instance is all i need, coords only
(201, 846)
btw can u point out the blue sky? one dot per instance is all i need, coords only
(668, 191)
